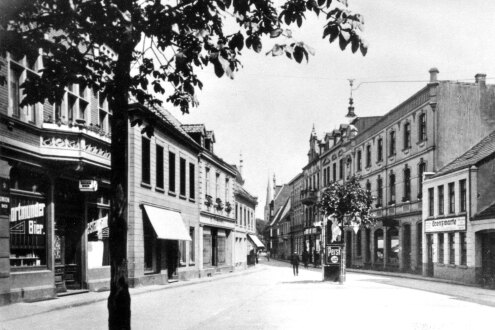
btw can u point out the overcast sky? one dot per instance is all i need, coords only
(268, 110)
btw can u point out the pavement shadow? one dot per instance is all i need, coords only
(305, 282)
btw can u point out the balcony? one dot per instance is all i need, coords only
(308, 196)
(75, 142)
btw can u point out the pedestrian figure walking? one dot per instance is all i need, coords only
(305, 257)
(295, 264)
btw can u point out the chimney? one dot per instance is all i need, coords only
(433, 75)
(480, 78)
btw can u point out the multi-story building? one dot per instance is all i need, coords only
(216, 202)
(459, 218)
(54, 236)
(391, 153)
(297, 215)
(246, 243)
(274, 209)
(163, 207)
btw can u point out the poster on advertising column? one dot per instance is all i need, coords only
(333, 254)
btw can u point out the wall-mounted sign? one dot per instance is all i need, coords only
(333, 254)
(4, 196)
(88, 185)
(446, 224)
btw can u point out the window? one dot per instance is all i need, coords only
(236, 213)
(368, 156)
(217, 185)
(431, 205)
(368, 186)
(227, 191)
(358, 244)
(183, 253)
(451, 197)
(145, 160)
(27, 231)
(422, 127)
(78, 98)
(421, 171)
(392, 143)
(182, 174)
(407, 184)
(341, 169)
(192, 176)
(192, 247)
(358, 160)
(105, 115)
(407, 135)
(463, 251)
(171, 172)
(207, 181)
(392, 188)
(440, 200)
(159, 167)
(334, 170)
(379, 245)
(379, 191)
(462, 202)
(451, 249)
(440, 248)
(379, 153)
(21, 68)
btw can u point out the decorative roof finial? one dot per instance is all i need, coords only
(350, 112)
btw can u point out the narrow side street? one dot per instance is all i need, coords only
(272, 298)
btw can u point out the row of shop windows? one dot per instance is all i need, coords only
(451, 248)
(450, 198)
(160, 185)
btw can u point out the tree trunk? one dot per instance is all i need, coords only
(119, 301)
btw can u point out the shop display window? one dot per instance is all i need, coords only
(27, 232)
(98, 233)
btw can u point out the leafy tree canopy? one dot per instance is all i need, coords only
(167, 40)
(347, 202)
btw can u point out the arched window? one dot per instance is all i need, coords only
(407, 135)
(422, 127)
(368, 155)
(407, 184)
(392, 188)
(368, 185)
(358, 165)
(392, 143)
(379, 150)
(393, 245)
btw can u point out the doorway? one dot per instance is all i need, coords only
(172, 258)
(429, 250)
(348, 249)
(488, 259)
(406, 247)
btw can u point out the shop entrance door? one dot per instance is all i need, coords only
(406, 247)
(429, 248)
(488, 259)
(69, 233)
(172, 259)
(214, 247)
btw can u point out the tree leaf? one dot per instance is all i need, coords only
(354, 43)
(298, 54)
(276, 33)
(342, 42)
(363, 48)
(321, 2)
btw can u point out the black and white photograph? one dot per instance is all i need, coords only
(247, 164)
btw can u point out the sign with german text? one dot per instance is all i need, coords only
(4, 196)
(445, 224)
(333, 254)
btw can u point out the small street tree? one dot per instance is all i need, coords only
(158, 46)
(348, 204)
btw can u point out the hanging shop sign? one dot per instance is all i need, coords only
(88, 185)
(4, 196)
(333, 254)
(97, 225)
(445, 224)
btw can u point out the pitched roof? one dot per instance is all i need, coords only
(480, 151)
(194, 128)
(488, 212)
(281, 213)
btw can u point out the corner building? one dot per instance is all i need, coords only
(391, 154)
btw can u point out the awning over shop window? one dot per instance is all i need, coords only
(167, 224)
(256, 241)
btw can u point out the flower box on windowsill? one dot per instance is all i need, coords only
(405, 199)
(228, 207)
(208, 200)
(219, 204)
(378, 205)
(391, 203)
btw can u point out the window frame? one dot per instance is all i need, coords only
(159, 176)
(171, 172)
(145, 161)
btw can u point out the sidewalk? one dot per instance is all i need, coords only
(27, 309)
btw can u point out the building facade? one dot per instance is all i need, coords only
(459, 217)
(246, 243)
(296, 215)
(390, 155)
(55, 162)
